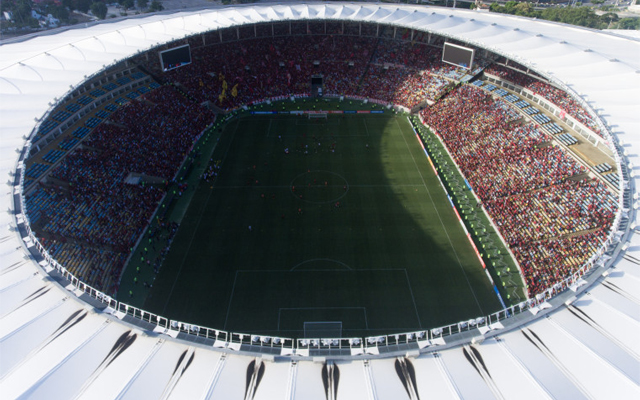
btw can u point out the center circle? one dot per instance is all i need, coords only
(319, 187)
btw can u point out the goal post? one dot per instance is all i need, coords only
(318, 115)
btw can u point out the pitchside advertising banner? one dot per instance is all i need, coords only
(302, 112)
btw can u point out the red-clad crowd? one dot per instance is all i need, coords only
(233, 74)
(556, 96)
(93, 211)
(551, 220)
(535, 193)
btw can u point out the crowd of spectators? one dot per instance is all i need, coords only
(87, 207)
(267, 67)
(510, 75)
(538, 196)
(563, 209)
(97, 267)
(251, 70)
(556, 96)
(546, 262)
(529, 187)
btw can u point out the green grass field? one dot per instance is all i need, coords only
(362, 234)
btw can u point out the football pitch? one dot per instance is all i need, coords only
(339, 220)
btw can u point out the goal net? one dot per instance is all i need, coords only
(320, 115)
(323, 329)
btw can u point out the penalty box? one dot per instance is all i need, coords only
(284, 300)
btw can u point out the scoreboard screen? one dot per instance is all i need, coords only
(175, 58)
(459, 56)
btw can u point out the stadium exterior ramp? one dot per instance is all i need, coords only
(58, 342)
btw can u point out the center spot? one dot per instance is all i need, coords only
(319, 187)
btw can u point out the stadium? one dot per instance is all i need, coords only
(354, 201)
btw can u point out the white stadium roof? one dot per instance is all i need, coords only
(55, 346)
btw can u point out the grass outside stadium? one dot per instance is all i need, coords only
(340, 219)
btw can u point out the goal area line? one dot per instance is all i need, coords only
(309, 319)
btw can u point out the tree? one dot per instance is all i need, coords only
(609, 18)
(126, 4)
(156, 5)
(524, 9)
(510, 7)
(83, 5)
(22, 14)
(59, 12)
(628, 23)
(142, 4)
(99, 9)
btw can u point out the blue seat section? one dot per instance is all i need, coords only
(93, 122)
(81, 132)
(35, 170)
(602, 168)
(46, 127)
(567, 139)
(501, 92)
(138, 75)
(109, 87)
(123, 81)
(111, 107)
(68, 143)
(511, 98)
(85, 100)
(121, 101)
(53, 155)
(73, 107)
(97, 93)
(104, 114)
(61, 116)
(541, 118)
(553, 128)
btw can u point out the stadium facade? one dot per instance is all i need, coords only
(58, 341)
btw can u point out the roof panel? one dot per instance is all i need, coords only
(159, 376)
(196, 381)
(522, 345)
(120, 366)
(615, 299)
(274, 383)
(354, 382)
(231, 384)
(46, 329)
(27, 305)
(619, 326)
(586, 369)
(510, 376)
(470, 381)
(74, 357)
(579, 325)
(308, 383)
(432, 380)
(385, 375)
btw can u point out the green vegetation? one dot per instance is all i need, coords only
(363, 234)
(156, 5)
(21, 13)
(581, 16)
(99, 9)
